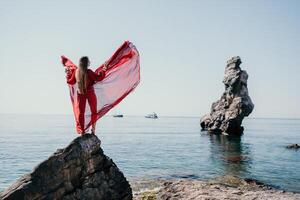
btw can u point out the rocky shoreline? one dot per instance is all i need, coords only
(227, 187)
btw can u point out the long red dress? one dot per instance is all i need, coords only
(104, 89)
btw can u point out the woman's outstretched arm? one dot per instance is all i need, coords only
(70, 70)
(99, 75)
(71, 79)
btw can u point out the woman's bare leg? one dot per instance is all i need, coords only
(94, 128)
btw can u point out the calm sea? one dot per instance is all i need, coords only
(168, 147)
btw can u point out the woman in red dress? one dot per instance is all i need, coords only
(85, 79)
(93, 94)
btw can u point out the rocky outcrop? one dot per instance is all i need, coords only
(80, 171)
(293, 146)
(225, 188)
(228, 113)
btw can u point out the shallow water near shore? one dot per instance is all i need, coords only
(167, 148)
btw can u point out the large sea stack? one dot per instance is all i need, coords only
(79, 171)
(227, 114)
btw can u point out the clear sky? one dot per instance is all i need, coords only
(184, 46)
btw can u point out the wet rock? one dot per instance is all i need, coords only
(79, 171)
(293, 146)
(227, 114)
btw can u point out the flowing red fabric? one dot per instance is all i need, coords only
(121, 77)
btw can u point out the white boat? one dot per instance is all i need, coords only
(152, 116)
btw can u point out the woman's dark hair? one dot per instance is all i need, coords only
(84, 62)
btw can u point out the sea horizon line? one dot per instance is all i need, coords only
(160, 116)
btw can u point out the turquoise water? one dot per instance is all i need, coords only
(169, 147)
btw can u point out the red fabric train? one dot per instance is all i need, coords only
(107, 89)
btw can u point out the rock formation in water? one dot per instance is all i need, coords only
(293, 146)
(228, 113)
(80, 171)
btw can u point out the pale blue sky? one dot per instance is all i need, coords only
(184, 46)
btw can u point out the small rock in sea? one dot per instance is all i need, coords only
(293, 146)
(79, 171)
(227, 114)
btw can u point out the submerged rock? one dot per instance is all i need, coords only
(293, 146)
(79, 171)
(228, 113)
